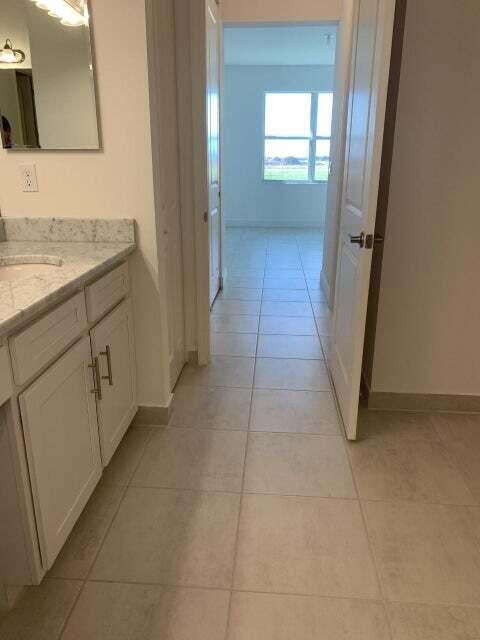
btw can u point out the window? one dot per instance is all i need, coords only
(297, 136)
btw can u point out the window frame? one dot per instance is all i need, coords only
(312, 139)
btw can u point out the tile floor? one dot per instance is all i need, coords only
(250, 517)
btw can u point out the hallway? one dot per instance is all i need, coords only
(250, 517)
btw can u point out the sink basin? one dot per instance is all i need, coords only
(18, 267)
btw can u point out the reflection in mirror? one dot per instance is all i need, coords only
(47, 89)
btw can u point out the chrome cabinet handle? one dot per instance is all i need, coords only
(109, 376)
(97, 389)
(360, 240)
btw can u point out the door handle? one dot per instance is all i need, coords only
(109, 376)
(360, 240)
(97, 389)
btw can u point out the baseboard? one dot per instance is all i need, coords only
(387, 401)
(192, 357)
(276, 224)
(152, 415)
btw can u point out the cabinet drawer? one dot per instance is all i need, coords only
(104, 294)
(41, 342)
(6, 390)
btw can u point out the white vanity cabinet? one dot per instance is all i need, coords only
(61, 436)
(114, 359)
(68, 404)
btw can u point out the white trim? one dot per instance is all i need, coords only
(337, 149)
(200, 175)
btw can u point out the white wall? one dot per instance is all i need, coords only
(428, 329)
(248, 199)
(281, 10)
(116, 182)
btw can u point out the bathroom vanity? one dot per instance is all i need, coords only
(67, 379)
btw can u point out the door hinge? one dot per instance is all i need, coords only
(205, 216)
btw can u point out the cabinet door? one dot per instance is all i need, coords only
(61, 436)
(113, 345)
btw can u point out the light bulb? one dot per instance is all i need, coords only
(7, 56)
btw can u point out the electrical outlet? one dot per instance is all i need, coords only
(28, 176)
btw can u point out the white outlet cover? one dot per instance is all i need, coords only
(28, 177)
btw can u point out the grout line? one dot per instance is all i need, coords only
(242, 485)
(370, 543)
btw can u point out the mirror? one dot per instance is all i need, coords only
(47, 89)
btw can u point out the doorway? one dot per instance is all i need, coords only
(278, 94)
(266, 253)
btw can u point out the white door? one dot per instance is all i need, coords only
(113, 348)
(372, 39)
(213, 143)
(61, 435)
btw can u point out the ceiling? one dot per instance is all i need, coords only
(280, 45)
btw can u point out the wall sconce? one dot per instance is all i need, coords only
(9, 55)
(71, 13)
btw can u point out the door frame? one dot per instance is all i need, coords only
(195, 192)
(200, 173)
(337, 154)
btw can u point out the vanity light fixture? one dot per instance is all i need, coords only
(71, 13)
(9, 55)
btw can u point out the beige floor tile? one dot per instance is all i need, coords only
(223, 371)
(212, 408)
(424, 622)
(287, 309)
(295, 412)
(161, 536)
(236, 307)
(127, 456)
(312, 546)
(284, 273)
(240, 293)
(426, 553)
(324, 326)
(288, 373)
(257, 616)
(285, 283)
(285, 295)
(390, 426)
(41, 611)
(461, 434)
(307, 347)
(326, 343)
(317, 295)
(294, 464)
(321, 310)
(411, 470)
(233, 344)
(244, 273)
(193, 459)
(274, 262)
(139, 612)
(245, 282)
(278, 325)
(78, 553)
(234, 323)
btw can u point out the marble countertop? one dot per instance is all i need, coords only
(82, 262)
